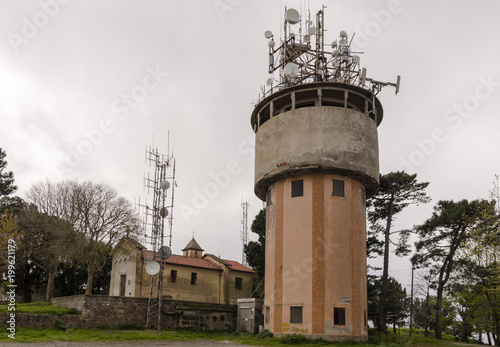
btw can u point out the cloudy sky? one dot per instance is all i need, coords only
(85, 86)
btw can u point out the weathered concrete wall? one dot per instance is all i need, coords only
(317, 139)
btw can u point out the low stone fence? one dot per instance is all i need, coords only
(43, 321)
(98, 311)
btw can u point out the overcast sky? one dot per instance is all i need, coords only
(85, 86)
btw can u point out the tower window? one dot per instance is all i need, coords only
(338, 188)
(297, 188)
(338, 316)
(194, 276)
(296, 314)
(268, 314)
(173, 276)
(238, 283)
(268, 197)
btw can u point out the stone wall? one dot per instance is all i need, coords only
(99, 310)
(42, 321)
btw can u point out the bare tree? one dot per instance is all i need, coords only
(95, 210)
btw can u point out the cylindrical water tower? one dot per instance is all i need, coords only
(316, 161)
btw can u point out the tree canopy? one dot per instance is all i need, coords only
(7, 186)
(255, 251)
(397, 191)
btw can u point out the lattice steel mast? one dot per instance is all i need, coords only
(245, 205)
(163, 178)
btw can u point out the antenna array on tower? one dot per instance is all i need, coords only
(302, 57)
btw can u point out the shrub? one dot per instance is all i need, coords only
(265, 334)
(130, 326)
(60, 326)
(294, 339)
(73, 311)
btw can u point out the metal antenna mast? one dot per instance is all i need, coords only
(245, 205)
(163, 167)
(302, 57)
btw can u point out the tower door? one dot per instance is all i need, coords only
(123, 281)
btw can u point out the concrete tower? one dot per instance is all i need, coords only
(316, 161)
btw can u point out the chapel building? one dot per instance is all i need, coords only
(192, 276)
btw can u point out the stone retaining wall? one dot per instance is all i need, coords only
(98, 311)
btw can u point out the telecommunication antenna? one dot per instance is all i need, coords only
(302, 57)
(495, 194)
(160, 181)
(245, 205)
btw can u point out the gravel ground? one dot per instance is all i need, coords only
(124, 344)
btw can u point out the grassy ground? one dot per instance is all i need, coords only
(114, 334)
(39, 307)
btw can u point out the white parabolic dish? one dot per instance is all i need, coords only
(153, 267)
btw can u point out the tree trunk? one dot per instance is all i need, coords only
(489, 337)
(90, 283)
(50, 283)
(439, 313)
(381, 320)
(26, 289)
(427, 317)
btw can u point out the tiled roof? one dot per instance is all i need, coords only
(193, 245)
(216, 258)
(184, 261)
(235, 266)
(130, 241)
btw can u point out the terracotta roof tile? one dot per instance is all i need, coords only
(235, 266)
(181, 260)
(193, 245)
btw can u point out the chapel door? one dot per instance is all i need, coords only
(123, 280)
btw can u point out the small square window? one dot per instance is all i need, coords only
(338, 316)
(194, 276)
(238, 283)
(173, 276)
(296, 314)
(297, 188)
(338, 188)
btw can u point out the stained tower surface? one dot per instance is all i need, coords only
(316, 162)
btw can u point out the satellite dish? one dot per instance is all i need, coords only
(355, 59)
(343, 34)
(270, 81)
(268, 34)
(311, 30)
(307, 38)
(334, 44)
(165, 252)
(164, 184)
(152, 268)
(343, 42)
(163, 212)
(271, 44)
(292, 16)
(291, 70)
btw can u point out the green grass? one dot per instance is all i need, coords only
(39, 307)
(114, 334)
